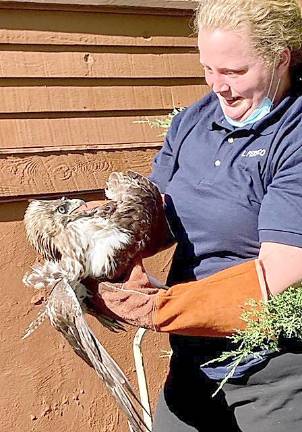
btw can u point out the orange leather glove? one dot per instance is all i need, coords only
(209, 307)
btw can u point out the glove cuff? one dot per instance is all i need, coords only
(210, 306)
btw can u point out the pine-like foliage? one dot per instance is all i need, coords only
(266, 324)
(163, 123)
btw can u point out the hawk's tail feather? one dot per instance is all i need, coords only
(112, 375)
(123, 397)
(118, 370)
(66, 315)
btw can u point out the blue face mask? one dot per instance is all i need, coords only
(262, 110)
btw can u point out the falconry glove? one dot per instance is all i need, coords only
(209, 307)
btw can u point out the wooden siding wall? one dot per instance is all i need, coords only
(72, 86)
(74, 78)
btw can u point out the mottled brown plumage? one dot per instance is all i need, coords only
(102, 244)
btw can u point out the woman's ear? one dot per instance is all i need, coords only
(284, 62)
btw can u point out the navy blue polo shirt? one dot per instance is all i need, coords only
(229, 189)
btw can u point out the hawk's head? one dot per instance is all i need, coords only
(45, 219)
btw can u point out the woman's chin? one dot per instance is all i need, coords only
(237, 113)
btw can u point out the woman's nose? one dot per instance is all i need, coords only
(221, 88)
(218, 83)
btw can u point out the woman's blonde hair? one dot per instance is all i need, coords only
(274, 25)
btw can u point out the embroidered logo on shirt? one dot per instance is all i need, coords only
(253, 153)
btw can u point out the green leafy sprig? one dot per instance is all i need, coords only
(266, 323)
(163, 123)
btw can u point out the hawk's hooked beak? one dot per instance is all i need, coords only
(80, 204)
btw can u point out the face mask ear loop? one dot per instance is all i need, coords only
(271, 83)
(277, 88)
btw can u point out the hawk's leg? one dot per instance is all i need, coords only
(85, 297)
(43, 276)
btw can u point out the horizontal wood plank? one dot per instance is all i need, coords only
(94, 29)
(52, 38)
(98, 65)
(61, 173)
(74, 131)
(178, 4)
(17, 99)
(149, 6)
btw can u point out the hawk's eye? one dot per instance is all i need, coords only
(62, 209)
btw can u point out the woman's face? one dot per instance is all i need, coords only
(234, 71)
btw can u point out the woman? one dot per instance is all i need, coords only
(231, 173)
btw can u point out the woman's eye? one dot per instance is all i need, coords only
(236, 72)
(61, 209)
(207, 69)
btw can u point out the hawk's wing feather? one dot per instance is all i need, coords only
(66, 316)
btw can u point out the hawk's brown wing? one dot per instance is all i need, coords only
(137, 208)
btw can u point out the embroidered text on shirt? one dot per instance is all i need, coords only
(253, 153)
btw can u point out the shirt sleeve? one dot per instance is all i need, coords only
(280, 216)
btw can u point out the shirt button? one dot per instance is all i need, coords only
(231, 140)
(217, 163)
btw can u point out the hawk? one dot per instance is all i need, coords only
(103, 244)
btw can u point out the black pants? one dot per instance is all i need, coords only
(269, 400)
